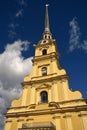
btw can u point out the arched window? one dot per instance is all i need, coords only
(45, 36)
(49, 37)
(44, 97)
(44, 52)
(44, 71)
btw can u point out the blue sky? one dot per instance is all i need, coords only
(22, 25)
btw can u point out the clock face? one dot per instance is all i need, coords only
(44, 41)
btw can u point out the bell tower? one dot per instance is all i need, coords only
(47, 102)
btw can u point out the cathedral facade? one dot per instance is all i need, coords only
(47, 103)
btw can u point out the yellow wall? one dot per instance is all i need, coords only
(65, 109)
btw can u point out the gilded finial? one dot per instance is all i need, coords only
(47, 5)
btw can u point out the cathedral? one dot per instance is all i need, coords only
(47, 102)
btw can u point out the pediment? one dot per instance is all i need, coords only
(43, 86)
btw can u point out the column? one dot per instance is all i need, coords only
(83, 117)
(14, 124)
(34, 73)
(65, 89)
(32, 97)
(49, 95)
(57, 122)
(55, 91)
(24, 96)
(38, 99)
(7, 124)
(68, 122)
(53, 64)
(19, 123)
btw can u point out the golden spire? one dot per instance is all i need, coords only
(47, 27)
(47, 34)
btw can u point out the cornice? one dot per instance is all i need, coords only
(23, 107)
(44, 57)
(49, 111)
(50, 42)
(32, 81)
(57, 104)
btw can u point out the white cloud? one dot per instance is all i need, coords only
(75, 37)
(14, 23)
(23, 2)
(12, 33)
(19, 13)
(74, 41)
(13, 68)
(84, 45)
